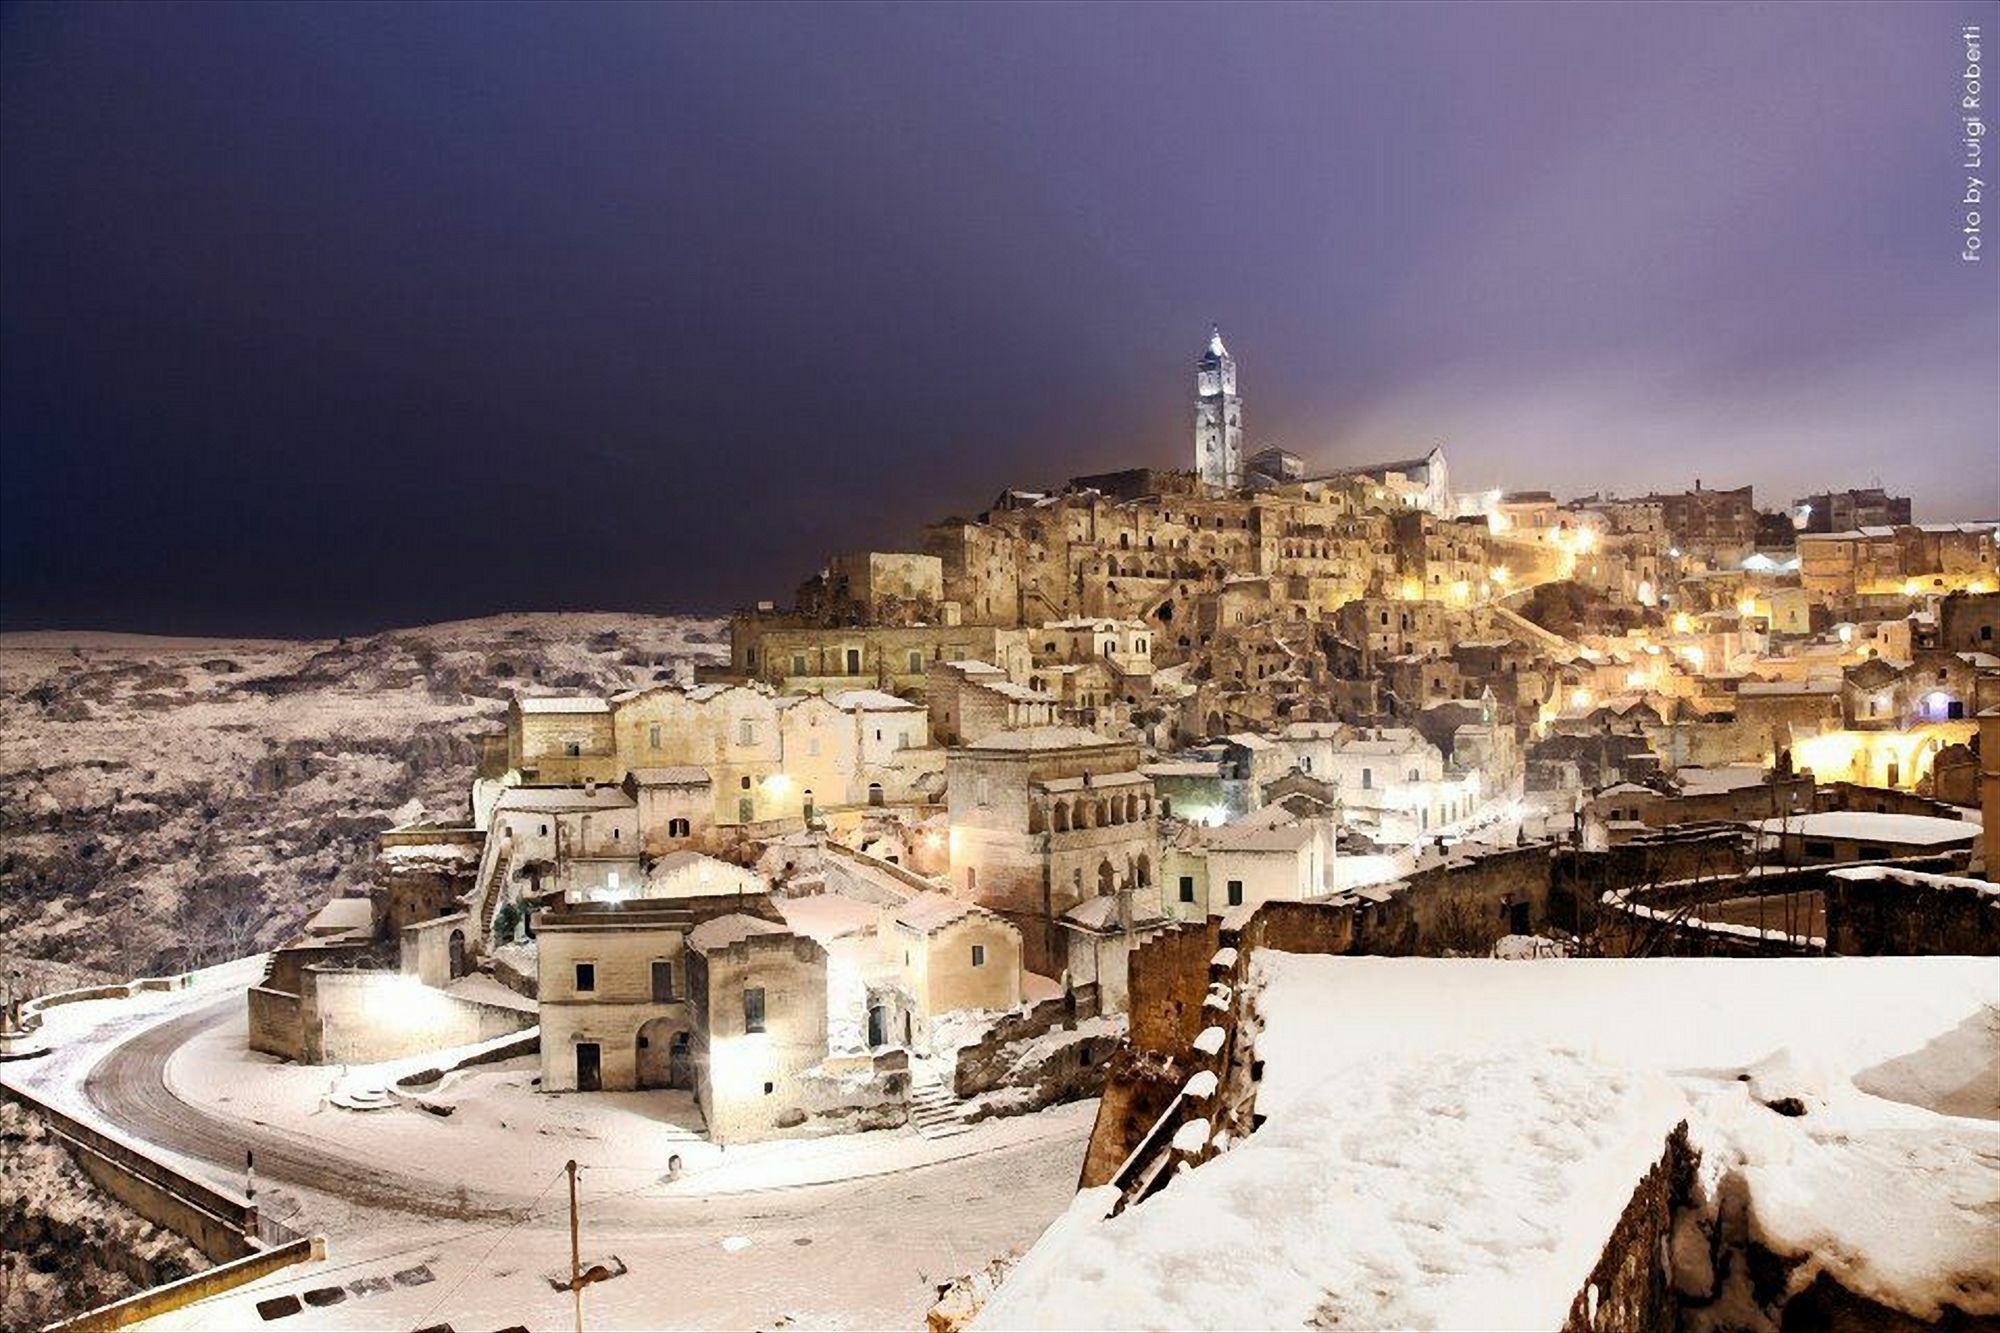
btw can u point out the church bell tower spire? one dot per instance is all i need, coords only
(1218, 416)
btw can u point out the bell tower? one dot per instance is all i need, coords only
(1218, 417)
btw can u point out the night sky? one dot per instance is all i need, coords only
(325, 319)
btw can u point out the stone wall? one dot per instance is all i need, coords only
(1166, 979)
(362, 1017)
(1869, 917)
(221, 1225)
(1631, 1288)
(1077, 1067)
(275, 1027)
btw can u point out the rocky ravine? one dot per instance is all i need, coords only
(171, 802)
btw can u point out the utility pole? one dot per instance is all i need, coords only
(575, 1254)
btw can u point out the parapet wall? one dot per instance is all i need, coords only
(221, 1225)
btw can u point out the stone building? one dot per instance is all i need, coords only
(955, 956)
(878, 588)
(969, 700)
(1902, 561)
(1045, 819)
(1716, 529)
(1843, 511)
(757, 998)
(613, 983)
(792, 653)
(1269, 855)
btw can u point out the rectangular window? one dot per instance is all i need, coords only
(753, 1009)
(812, 746)
(1367, 779)
(798, 664)
(916, 659)
(1817, 848)
(746, 733)
(971, 879)
(853, 661)
(1236, 893)
(1187, 888)
(653, 735)
(979, 955)
(572, 749)
(586, 978)
(663, 981)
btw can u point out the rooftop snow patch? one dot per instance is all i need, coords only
(1868, 826)
(721, 932)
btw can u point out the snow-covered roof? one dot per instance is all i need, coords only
(720, 932)
(1869, 826)
(871, 701)
(1101, 913)
(1782, 687)
(1094, 782)
(828, 916)
(608, 796)
(1040, 738)
(1696, 781)
(1918, 879)
(562, 703)
(342, 916)
(928, 912)
(1183, 768)
(672, 775)
(1240, 837)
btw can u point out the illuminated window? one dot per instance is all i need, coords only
(753, 1009)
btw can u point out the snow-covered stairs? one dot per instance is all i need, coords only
(934, 1109)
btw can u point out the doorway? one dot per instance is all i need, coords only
(457, 954)
(680, 1064)
(589, 1067)
(658, 1047)
(878, 1026)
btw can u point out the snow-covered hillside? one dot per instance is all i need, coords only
(165, 801)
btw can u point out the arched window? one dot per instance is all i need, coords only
(1062, 816)
(1036, 822)
(677, 828)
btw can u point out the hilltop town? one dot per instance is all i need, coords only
(1082, 798)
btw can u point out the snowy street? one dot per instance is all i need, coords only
(850, 1230)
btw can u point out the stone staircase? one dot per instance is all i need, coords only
(495, 884)
(934, 1109)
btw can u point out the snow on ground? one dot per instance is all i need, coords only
(851, 1231)
(1450, 1142)
(863, 1253)
(496, 1114)
(77, 1035)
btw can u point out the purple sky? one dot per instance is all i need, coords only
(318, 319)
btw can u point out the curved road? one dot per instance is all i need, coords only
(129, 1087)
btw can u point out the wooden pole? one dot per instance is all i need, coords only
(575, 1253)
